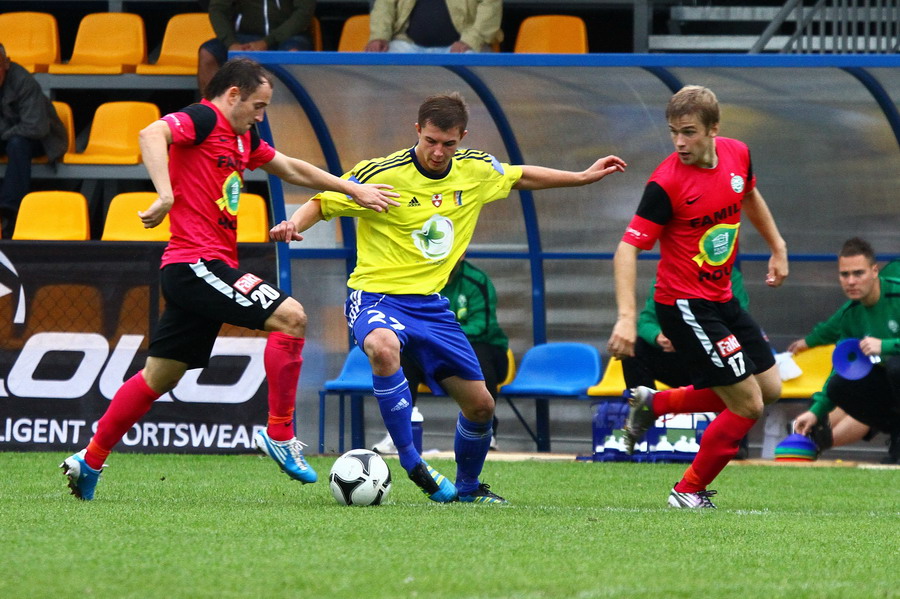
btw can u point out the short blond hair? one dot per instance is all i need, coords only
(694, 99)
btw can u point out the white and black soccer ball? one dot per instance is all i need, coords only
(360, 477)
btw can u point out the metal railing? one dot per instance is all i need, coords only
(837, 27)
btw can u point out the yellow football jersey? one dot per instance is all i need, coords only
(411, 248)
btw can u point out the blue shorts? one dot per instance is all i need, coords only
(426, 327)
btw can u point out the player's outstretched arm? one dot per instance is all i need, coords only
(624, 333)
(377, 197)
(303, 218)
(759, 214)
(542, 177)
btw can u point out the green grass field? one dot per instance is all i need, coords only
(232, 526)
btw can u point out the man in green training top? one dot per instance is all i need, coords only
(871, 315)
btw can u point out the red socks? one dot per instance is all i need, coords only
(686, 400)
(282, 361)
(133, 399)
(719, 444)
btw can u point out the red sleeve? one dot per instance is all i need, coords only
(182, 127)
(642, 233)
(260, 155)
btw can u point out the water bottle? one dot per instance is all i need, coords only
(416, 420)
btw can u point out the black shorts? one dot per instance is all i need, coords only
(720, 341)
(874, 399)
(202, 296)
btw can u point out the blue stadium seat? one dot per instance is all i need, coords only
(552, 371)
(354, 380)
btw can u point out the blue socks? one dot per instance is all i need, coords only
(395, 403)
(473, 439)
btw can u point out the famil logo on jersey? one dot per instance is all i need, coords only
(231, 194)
(717, 245)
(728, 346)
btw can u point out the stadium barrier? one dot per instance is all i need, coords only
(74, 324)
(549, 252)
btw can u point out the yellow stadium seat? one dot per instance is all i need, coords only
(58, 215)
(183, 36)
(510, 369)
(114, 134)
(108, 43)
(31, 39)
(253, 219)
(64, 111)
(123, 224)
(354, 34)
(315, 33)
(816, 366)
(613, 382)
(552, 34)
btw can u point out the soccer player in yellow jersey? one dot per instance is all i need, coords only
(405, 256)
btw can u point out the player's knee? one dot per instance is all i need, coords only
(750, 409)
(479, 409)
(384, 357)
(290, 319)
(383, 348)
(770, 397)
(162, 375)
(770, 391)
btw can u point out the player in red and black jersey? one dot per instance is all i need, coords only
(692, 205)
(196, 159)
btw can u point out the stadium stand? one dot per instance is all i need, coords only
(354, 34)
(355, 381)
(31, 39)
(178, 53)
(552, 34)
(613, 382)
(64, 111)
(53, 215)
(106, 44)
(114, 132)
(816, 366)
(552, 371)
(315, 33)
(122, 222)
(253, 219)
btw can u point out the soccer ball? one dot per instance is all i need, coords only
(360, 477)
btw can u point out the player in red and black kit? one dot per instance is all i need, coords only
(196, 159)
(692, 205)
